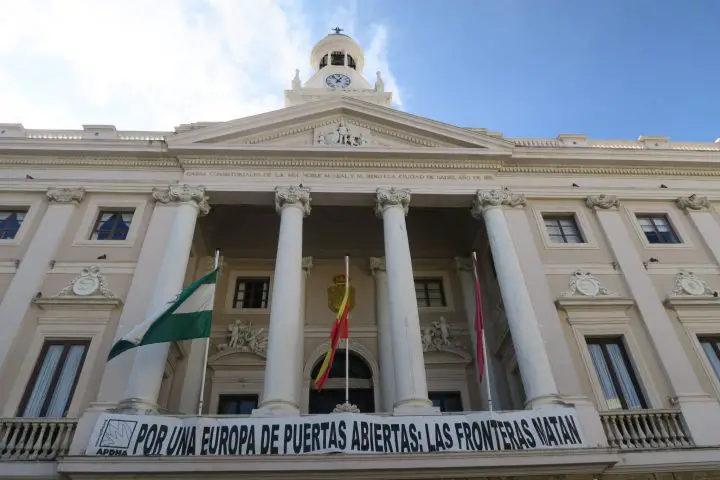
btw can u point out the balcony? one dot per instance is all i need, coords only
(31, 439)
(645, 429)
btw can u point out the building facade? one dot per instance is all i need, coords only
(599, 264)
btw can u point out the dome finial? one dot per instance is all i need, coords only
(337, 30)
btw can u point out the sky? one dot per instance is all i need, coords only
(610, 69)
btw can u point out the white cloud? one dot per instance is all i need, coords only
(153, 64)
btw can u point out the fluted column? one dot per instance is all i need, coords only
(698, 209)
(384, 333)
(532, 358)
(283, 368)
(143, 387)
(700, 410)
(411, 394)
(29, 276)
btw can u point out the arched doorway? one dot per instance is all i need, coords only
(361, 385)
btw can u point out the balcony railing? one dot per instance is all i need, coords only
(35, 438)
(645, 429)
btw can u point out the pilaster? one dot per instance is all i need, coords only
(384, 333)
(30, 274)
(700, 212)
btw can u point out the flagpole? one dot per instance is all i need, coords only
(486, 360)
(347, 340)
(207, 348)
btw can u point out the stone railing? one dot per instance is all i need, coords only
(35, 438)
(645, 429)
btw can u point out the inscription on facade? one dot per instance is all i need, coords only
(311, 175)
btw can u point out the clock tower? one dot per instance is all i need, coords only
(337, 61)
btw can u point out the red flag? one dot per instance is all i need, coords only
(480, 354)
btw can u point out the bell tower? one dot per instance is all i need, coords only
(337, 62)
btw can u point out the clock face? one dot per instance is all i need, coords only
(337, 80)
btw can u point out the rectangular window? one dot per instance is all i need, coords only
(562, 228)
(429, 292)
(446, 401)
(237, 404)
(615, 372)
(10, 223)
(112, 225)
(251, 293)
(53, 381)
(657, 228)
(711, 347)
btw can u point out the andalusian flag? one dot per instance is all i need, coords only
(188, 316)
(339, 330)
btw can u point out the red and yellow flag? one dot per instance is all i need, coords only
(339, 331)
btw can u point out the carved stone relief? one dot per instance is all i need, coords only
(390, 197)
(344, 134)
(437, 338)
(66, 195)
(583, 283)
(292, 195)
(244, 338)
(485, 199)
(90, 283)
(686, 283)
(693, 202)
(603, 201)
(175, 194)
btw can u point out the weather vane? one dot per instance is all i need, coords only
(337, 30)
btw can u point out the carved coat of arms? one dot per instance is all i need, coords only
(336, 292)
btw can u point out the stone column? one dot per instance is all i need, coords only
(411, 394)
(143, 387)
(284, 365)
(384, 333)
(29, 276)
(700, 410)
(532, 358)
(698, 209)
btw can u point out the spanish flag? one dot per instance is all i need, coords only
(339, 331)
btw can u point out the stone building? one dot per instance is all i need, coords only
(599, 262)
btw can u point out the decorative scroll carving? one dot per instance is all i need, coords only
(693, 202)
(603, 201)
(183, 194)
(485, 199)
(66, 195)
(292, 195)
(307, 264)
(437, 338)
(377, 264)
(243, 337)
(687, 283)
(346, 407)
(583, 283)
(342, 135)
(90, 283)
(391, 197)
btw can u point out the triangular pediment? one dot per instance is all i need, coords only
(343, 123)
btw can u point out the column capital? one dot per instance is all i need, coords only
(66, 195)
(307, 265)
(486, 199)
(391, 197)
(377, 264)
(463, 264)
(602, 201)
(693, 202)
(292, 196)
(178, 194)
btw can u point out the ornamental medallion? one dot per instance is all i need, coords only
(336, 293)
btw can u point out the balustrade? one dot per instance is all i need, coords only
(645, 429)
(35, 438)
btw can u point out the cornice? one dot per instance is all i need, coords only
(29, 145)
(90, 161)
(610, 170)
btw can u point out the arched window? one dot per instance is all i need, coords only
(357, 367)
(337, 58)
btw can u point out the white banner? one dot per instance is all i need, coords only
(149, 435)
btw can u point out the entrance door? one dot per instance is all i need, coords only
(361, 390)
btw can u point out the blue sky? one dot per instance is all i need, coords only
(532, 68)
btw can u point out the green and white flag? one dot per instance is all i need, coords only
(189, 316)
